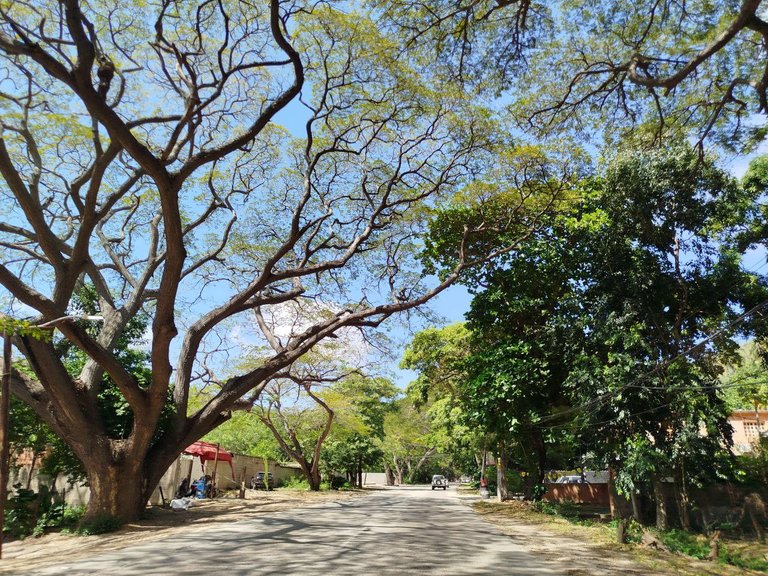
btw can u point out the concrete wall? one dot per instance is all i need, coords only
(746, 429)
(226, 478)
(76, 495)
(374, 479)
(244, 468)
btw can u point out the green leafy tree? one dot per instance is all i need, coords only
(657, 284)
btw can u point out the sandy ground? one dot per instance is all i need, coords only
(158, 524)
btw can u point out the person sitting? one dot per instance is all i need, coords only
(185, 490)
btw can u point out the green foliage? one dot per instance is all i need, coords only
(579, 339)
(751, 469)
(633, 530)
(568, 510)
(30, 513)
(244, 433)
(338, 483)
(23, 328)
(686, 543)
(746, 383)
(352, 454)
(102, 524)
(730, 555)
(114, 410)
(296, 483)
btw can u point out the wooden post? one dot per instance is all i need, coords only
(213, 476)
(5, 388)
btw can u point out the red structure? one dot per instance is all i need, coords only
(209, 452)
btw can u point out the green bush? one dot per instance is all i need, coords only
(633, 531)
(338, 483)
(296, 483)
(30, 513)
(564, 509)
(99, 525)
(685, 543)
(734, 558)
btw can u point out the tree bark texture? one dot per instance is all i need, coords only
(502, 492)
(662, 519)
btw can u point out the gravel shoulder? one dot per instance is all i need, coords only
(159, 523)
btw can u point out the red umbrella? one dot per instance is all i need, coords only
(207, 451)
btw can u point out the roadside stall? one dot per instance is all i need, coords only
(207, 452)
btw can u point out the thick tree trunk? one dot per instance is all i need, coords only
(314, 480)
(662, 520)
(118, 493)
(612, 504)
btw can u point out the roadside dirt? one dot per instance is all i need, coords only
(580, 551)
(159, 523)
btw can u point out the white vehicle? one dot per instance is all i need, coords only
(439, 481)
(571, 480)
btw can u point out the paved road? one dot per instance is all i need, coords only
(409, 530)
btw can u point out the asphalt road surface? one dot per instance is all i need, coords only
(407, 530)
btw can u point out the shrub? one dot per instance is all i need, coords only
(564, 509)
(98, 525)
(747, 562)
(685, 543)
(338, 483)
(29, 513)
(296, 483)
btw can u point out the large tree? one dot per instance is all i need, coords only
(695, 65)
(140, 153)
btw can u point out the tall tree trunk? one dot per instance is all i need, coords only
(662, 516)
(502, 492)
(389, 475)
(682, 500)
(612, 504)
(540, 447)
(637, 510)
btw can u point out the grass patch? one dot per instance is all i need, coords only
(99, 525)
(734, 557)
(693, 545)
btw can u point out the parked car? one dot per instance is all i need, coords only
(439, 481)
(571, 480)
(257, 482)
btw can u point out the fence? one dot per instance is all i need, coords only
(596, 494)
